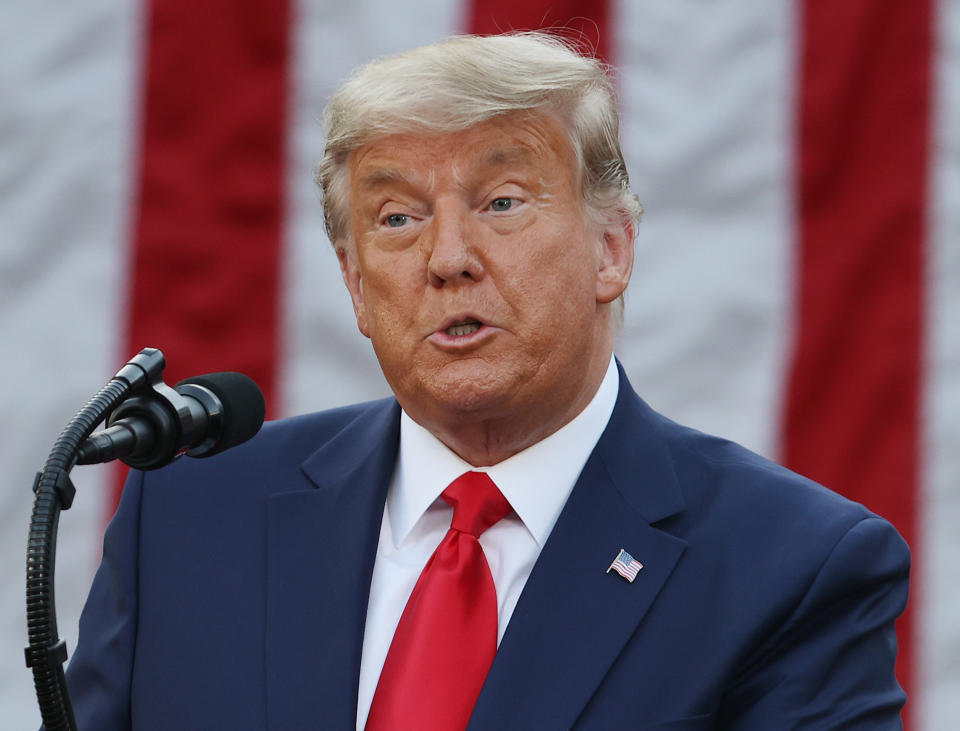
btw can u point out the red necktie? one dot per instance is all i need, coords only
(447, 636)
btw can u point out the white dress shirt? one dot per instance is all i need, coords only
(536, 482)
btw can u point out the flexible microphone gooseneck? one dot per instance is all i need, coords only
(150, 425)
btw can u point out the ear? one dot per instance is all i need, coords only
(354, 281)
(616, 260)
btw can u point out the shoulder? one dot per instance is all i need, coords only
(303, 434)
(713, 469)
(272, 460)
(709, 477)
(809, 582)
(738, 512)
(717, 476)
(796, 586)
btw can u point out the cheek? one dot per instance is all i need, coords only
(564, 272)
(390, 298)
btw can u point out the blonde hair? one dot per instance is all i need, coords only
(456, 83)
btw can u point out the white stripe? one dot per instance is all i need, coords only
(707, 104)
(67, 72)
(935, 585)
(326, 362)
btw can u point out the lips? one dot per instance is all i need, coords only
(463, 330)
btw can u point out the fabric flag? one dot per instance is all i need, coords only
(796, 286)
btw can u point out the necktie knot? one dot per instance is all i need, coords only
(477, 503)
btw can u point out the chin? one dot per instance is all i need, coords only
(477, 391)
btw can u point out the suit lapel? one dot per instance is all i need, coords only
(322, 544)
(573, 618)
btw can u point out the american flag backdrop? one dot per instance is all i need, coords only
(796, 286)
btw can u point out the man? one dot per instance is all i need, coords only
(516, 541)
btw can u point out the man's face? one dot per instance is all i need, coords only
(476, 275)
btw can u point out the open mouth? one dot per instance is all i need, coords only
(465, 327)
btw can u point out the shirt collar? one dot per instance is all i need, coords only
(536, 481)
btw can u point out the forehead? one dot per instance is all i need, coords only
(534, 142)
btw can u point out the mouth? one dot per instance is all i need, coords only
(463, 331)
(463, 327)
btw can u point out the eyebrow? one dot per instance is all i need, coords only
(382, 176)
(496, 157)
(508, 155)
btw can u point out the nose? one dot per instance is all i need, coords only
(452, 257)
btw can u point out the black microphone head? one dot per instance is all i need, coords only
(242, 403)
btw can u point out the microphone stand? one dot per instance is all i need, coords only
(54, 492)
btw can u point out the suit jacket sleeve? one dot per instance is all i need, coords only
(830, 665)
(100, 673)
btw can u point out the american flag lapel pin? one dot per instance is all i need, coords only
(625, 565)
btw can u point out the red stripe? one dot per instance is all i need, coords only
(585, 21)
(853, 404)
(204, 285)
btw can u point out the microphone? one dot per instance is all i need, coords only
(199, 417)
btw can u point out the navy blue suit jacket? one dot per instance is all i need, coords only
(233, 591)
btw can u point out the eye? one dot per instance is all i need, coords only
(396, 220)
(502, 204)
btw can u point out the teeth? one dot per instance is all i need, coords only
(464, 328)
